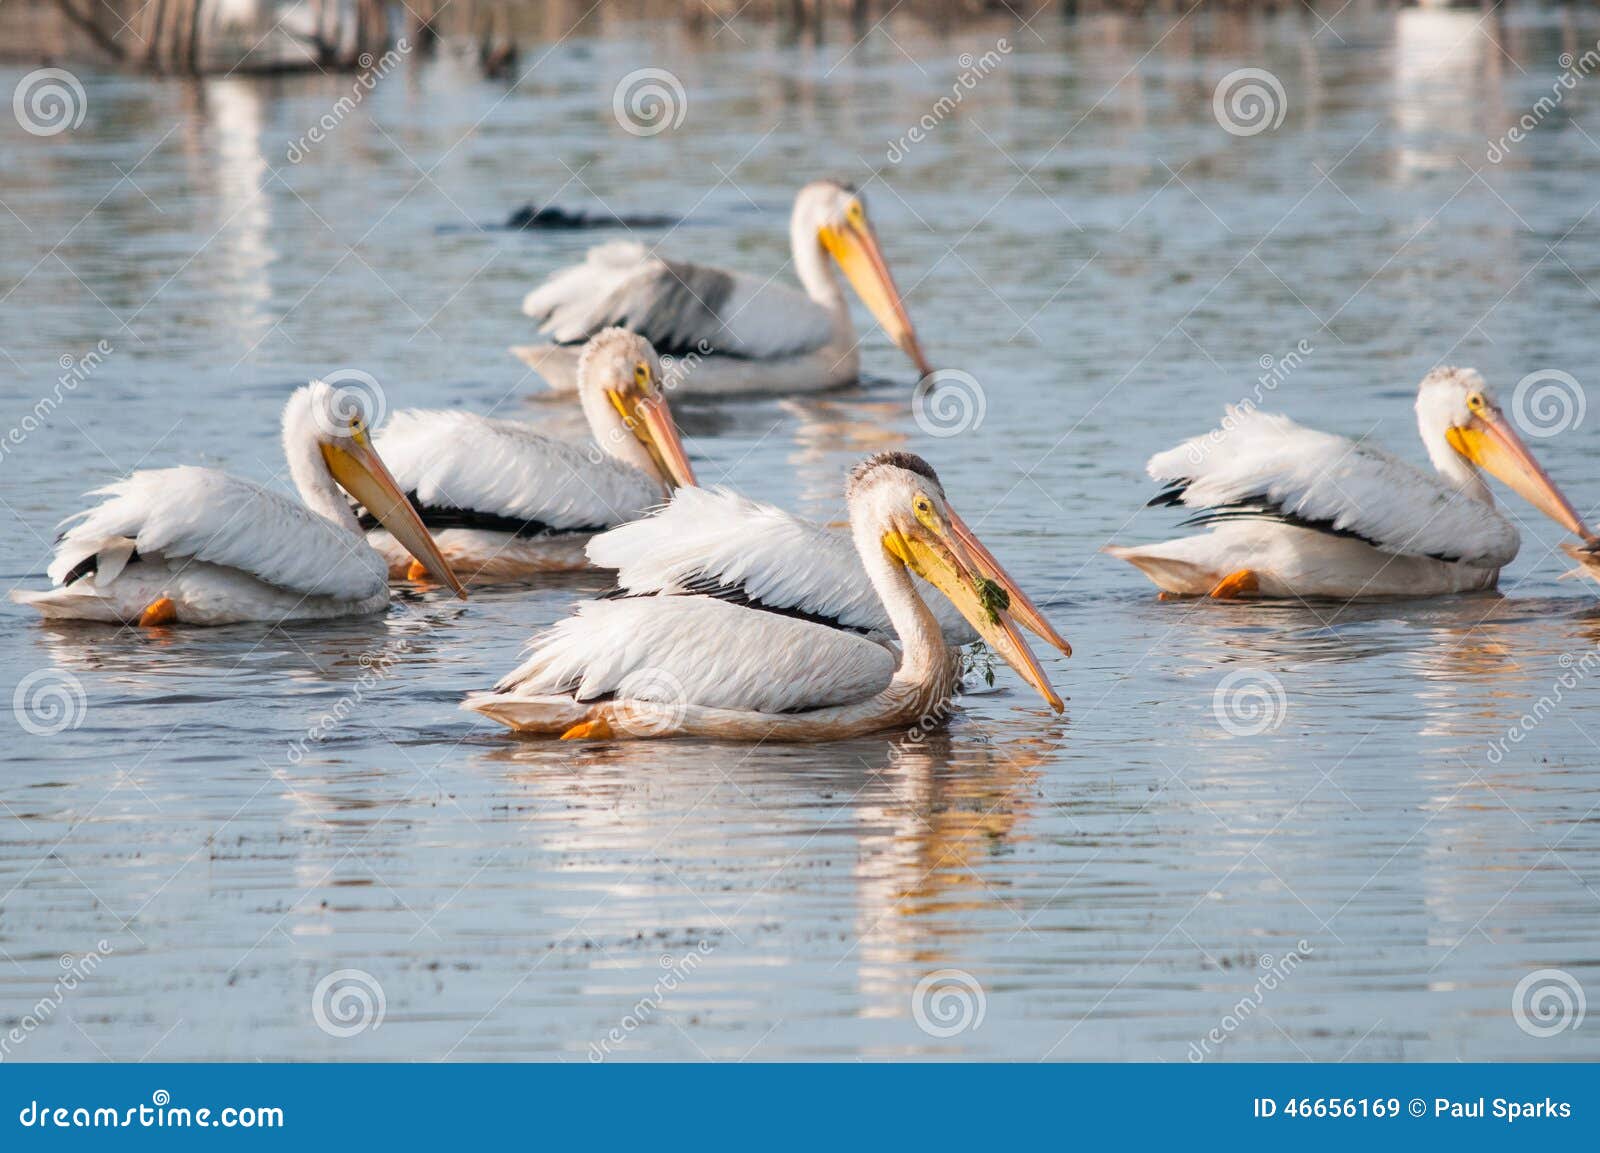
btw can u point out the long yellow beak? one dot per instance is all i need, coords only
(856, 249)
(1493, 445)
(649, 418)
(1026, 612)
(355, 464)
(943, 561)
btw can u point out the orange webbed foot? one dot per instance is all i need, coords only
(1235, 585)
(595, 730)
(159, 612)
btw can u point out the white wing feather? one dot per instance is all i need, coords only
(461, 460)
(1263, 461)
(207, 515)
(779, 559)
(698, 651)
(676, 305)
(764, 319)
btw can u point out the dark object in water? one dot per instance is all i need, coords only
(498, 60)
(550, 219)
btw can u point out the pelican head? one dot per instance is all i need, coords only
(831, 214)
(327, 426)
(897, 499)
(1458, 418)
(619, 385)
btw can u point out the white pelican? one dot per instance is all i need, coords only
(712, 542)
(734, 332)
(504, 501)
(1300, 513)
(196, 546)
(700, 666)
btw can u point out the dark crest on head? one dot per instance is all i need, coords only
(909, 461)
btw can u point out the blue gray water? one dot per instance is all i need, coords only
(1349, 858)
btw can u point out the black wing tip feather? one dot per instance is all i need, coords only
(90, 565)
(714, 587)
(1263, 509)
(709, 585)
(436, 518)
(1171, 496)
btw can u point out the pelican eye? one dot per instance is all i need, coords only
(1475, 402)
(855, 214)
(641, 374)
